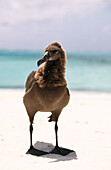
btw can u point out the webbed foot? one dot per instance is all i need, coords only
(61, 151)
(36, 152)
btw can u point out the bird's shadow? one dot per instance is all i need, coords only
(56, 157)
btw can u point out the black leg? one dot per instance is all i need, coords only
(31, 130)
(57, 149)
(56, 133)
(32, 150)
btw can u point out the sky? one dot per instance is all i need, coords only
(79, 25)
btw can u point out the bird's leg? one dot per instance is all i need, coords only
(31, 130)
(32, 150)
(57, 149)
(56, 133)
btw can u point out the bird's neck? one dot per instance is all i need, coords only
(51, 74)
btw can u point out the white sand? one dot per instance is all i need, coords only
(84, 126)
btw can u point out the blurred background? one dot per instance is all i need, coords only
(83, 27)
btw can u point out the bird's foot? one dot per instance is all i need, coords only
(61, 151)
(36, 152)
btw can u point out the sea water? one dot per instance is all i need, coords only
(85, 71)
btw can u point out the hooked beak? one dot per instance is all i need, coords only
(43, 59)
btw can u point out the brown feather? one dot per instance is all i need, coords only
(52, 73)
(46, 89)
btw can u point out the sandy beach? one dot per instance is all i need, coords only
(84, 126)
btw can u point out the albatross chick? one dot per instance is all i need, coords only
(46, 91)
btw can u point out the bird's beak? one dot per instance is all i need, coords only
(43, 59)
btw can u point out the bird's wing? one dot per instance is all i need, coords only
(68, 91)
(30, 81)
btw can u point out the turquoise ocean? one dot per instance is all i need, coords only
(85, 71)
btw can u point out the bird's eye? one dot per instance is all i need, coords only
(54, 51)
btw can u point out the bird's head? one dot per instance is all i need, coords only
(53, 52)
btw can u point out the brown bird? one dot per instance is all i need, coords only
(46, 91)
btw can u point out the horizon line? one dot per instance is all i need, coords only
(67, 51)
